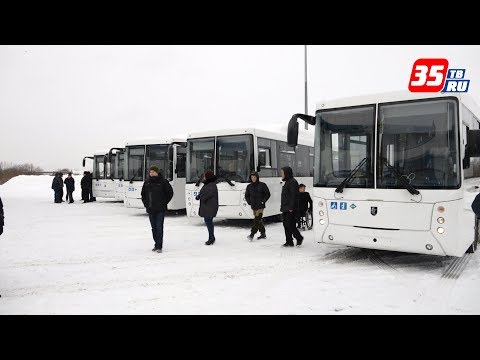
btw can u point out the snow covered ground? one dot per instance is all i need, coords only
(96, 258)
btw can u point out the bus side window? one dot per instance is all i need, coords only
(264, 158)
(267, 159)
(302, 161)
(287, 157)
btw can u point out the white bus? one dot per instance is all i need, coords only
(102, 184)
(169, 155)
(232, 155)
(393, 172)
(116, 161)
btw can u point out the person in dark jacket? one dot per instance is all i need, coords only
(156, 194)
(85, 187)
(288, 207)
(57, 186)
(256, 195)
(70, 185)
(208, 197)
(2, 217)
(90, 185)
(476, 206)
(304, 204)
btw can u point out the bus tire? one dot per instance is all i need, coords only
(309, 220)
(474, 245)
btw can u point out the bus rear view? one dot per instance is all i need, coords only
(390, 173)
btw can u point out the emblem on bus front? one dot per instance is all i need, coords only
(373, 210)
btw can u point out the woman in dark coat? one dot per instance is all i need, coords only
(208, 197)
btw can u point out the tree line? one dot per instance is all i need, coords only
(10, 170)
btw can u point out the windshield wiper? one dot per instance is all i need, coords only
(350, 176)
(139, 171)
(402, 179)
(224, 177)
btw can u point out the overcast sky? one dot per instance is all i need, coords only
(60, 103)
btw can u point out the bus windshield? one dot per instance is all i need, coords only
(417, 140)
(344, 138)
(200, 158)
(234, 157)
(160, 156)
(420, 141)
(135, 162)
(99, 167)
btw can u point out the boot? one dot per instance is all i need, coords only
(210, 242)
(299, 242)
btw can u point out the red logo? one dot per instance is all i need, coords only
(428, 75)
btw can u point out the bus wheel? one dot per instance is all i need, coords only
(474, 245)
(309, 220)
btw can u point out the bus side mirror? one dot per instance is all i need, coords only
(83, 162)
(292, 132)
(473, 144)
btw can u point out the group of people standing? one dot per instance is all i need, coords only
(157, 193)
(57, 186)
(85, 183)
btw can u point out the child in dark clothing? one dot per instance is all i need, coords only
(304, 204)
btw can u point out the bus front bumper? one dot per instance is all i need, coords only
(420, 242)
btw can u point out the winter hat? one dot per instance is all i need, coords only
(155, 168)
(209, 174)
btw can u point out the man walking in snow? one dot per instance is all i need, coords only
(288, 207)
(156, 194)
(256, 195)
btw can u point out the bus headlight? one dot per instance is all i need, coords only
(429, 246)
(440, 220)
(189, 199)
(440, 230)
(321, 213)
(441, 209)
(189, 204)
(320, 203)
(322, 222)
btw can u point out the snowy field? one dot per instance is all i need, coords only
(96, 258)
